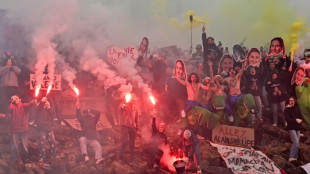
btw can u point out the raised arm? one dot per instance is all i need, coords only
(181, 81)
(204, 87)
(241, 70)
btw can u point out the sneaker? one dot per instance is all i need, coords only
(274, 125)
(231, 118)
(292, 159)
(31, 123)
(285, 123)
(183, 114)
(86, 158)
(62, 123)
(199, 171)
(99, 161)
(55, 119)
(155, 165)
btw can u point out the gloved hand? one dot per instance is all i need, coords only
(298, 120)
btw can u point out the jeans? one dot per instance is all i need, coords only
(23, 136)
(192, 103)
(274, 108)
(94, 144)
(295, 136)
(193, 151)
(128, 135)
(43, 136)
(231, 102)
(258, 103)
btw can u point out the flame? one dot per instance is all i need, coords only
(37, 91)
(48, 89)
(152, 99)
(76, 90)
(128, 97)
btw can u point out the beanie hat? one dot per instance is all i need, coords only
(187, 134)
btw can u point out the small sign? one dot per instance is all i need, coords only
(115, 54)
(233, 135)
(45, 82)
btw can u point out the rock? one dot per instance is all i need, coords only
(121, 168)
(305, 155)
(296, 170)
(279, 161)
(204, 164)
(217, 170)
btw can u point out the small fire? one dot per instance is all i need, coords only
(37, 90)
(76, 90)
(49, 89)
(128, 97)
(152, 99)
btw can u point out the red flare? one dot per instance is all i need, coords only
(76, 90)
(49, 89)
(128, 97)
(37, 91)
(152, 99)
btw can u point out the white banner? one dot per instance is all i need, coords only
(246, 161)
(46, 82)
(115, 54)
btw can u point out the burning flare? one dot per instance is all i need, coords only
(49, 89)
(128, 97)
(37, 91)
(152, 99)
(76, 90)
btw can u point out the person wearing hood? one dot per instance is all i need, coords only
(89, 134)
(19, 119)
(189, 145)
(294, 120)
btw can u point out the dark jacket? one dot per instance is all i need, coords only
(88, 124)
(43, 118)
(291, 114)
(276, 97)
(158, 137)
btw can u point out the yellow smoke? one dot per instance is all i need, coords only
(295, 27)
(257, 20)
(187, 24)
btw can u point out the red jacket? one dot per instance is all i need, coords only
(19, 119)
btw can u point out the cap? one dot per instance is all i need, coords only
(187, 134)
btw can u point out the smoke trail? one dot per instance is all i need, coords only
(89, 61)
(52, 24)
(126, 68)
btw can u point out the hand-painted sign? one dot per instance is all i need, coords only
(246, 161)
(45, 82)
(233, 135)
(115, 54)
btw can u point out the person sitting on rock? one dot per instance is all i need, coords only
(192, 87)
(189, 145)
(89, 135)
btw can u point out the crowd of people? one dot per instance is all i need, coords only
(180, 81)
